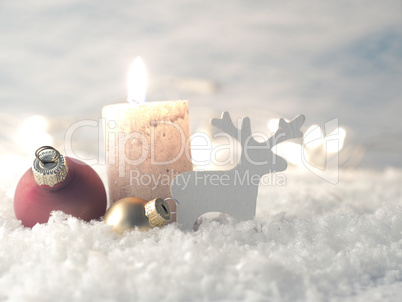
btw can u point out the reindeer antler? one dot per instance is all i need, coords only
(287, 130)
(225, 123)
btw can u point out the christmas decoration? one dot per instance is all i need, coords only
(235, 191)
(145, 140)
(58, 183)
(134, 212)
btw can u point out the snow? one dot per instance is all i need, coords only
(310, 240)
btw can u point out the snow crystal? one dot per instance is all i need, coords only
(309, 241)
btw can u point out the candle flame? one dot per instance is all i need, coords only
(137, 82)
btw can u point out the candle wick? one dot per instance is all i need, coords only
(135, 102)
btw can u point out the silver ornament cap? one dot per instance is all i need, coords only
(49, 167)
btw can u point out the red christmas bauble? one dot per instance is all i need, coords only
(57, 183)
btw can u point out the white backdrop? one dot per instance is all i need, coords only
(324, 59)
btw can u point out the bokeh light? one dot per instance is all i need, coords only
(33, 134)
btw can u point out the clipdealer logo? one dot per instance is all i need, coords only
(117, 154)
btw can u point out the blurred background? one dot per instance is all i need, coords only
(62, 61)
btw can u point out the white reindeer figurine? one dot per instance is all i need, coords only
(233, 192)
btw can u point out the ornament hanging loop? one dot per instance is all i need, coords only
(175, 200)
(47, 161)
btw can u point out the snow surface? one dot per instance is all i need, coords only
(310, 240)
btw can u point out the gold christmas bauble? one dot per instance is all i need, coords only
(133, 212)
(126, 214)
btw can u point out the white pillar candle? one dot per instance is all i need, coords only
(147, 145)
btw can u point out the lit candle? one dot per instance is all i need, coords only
(147, 143)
